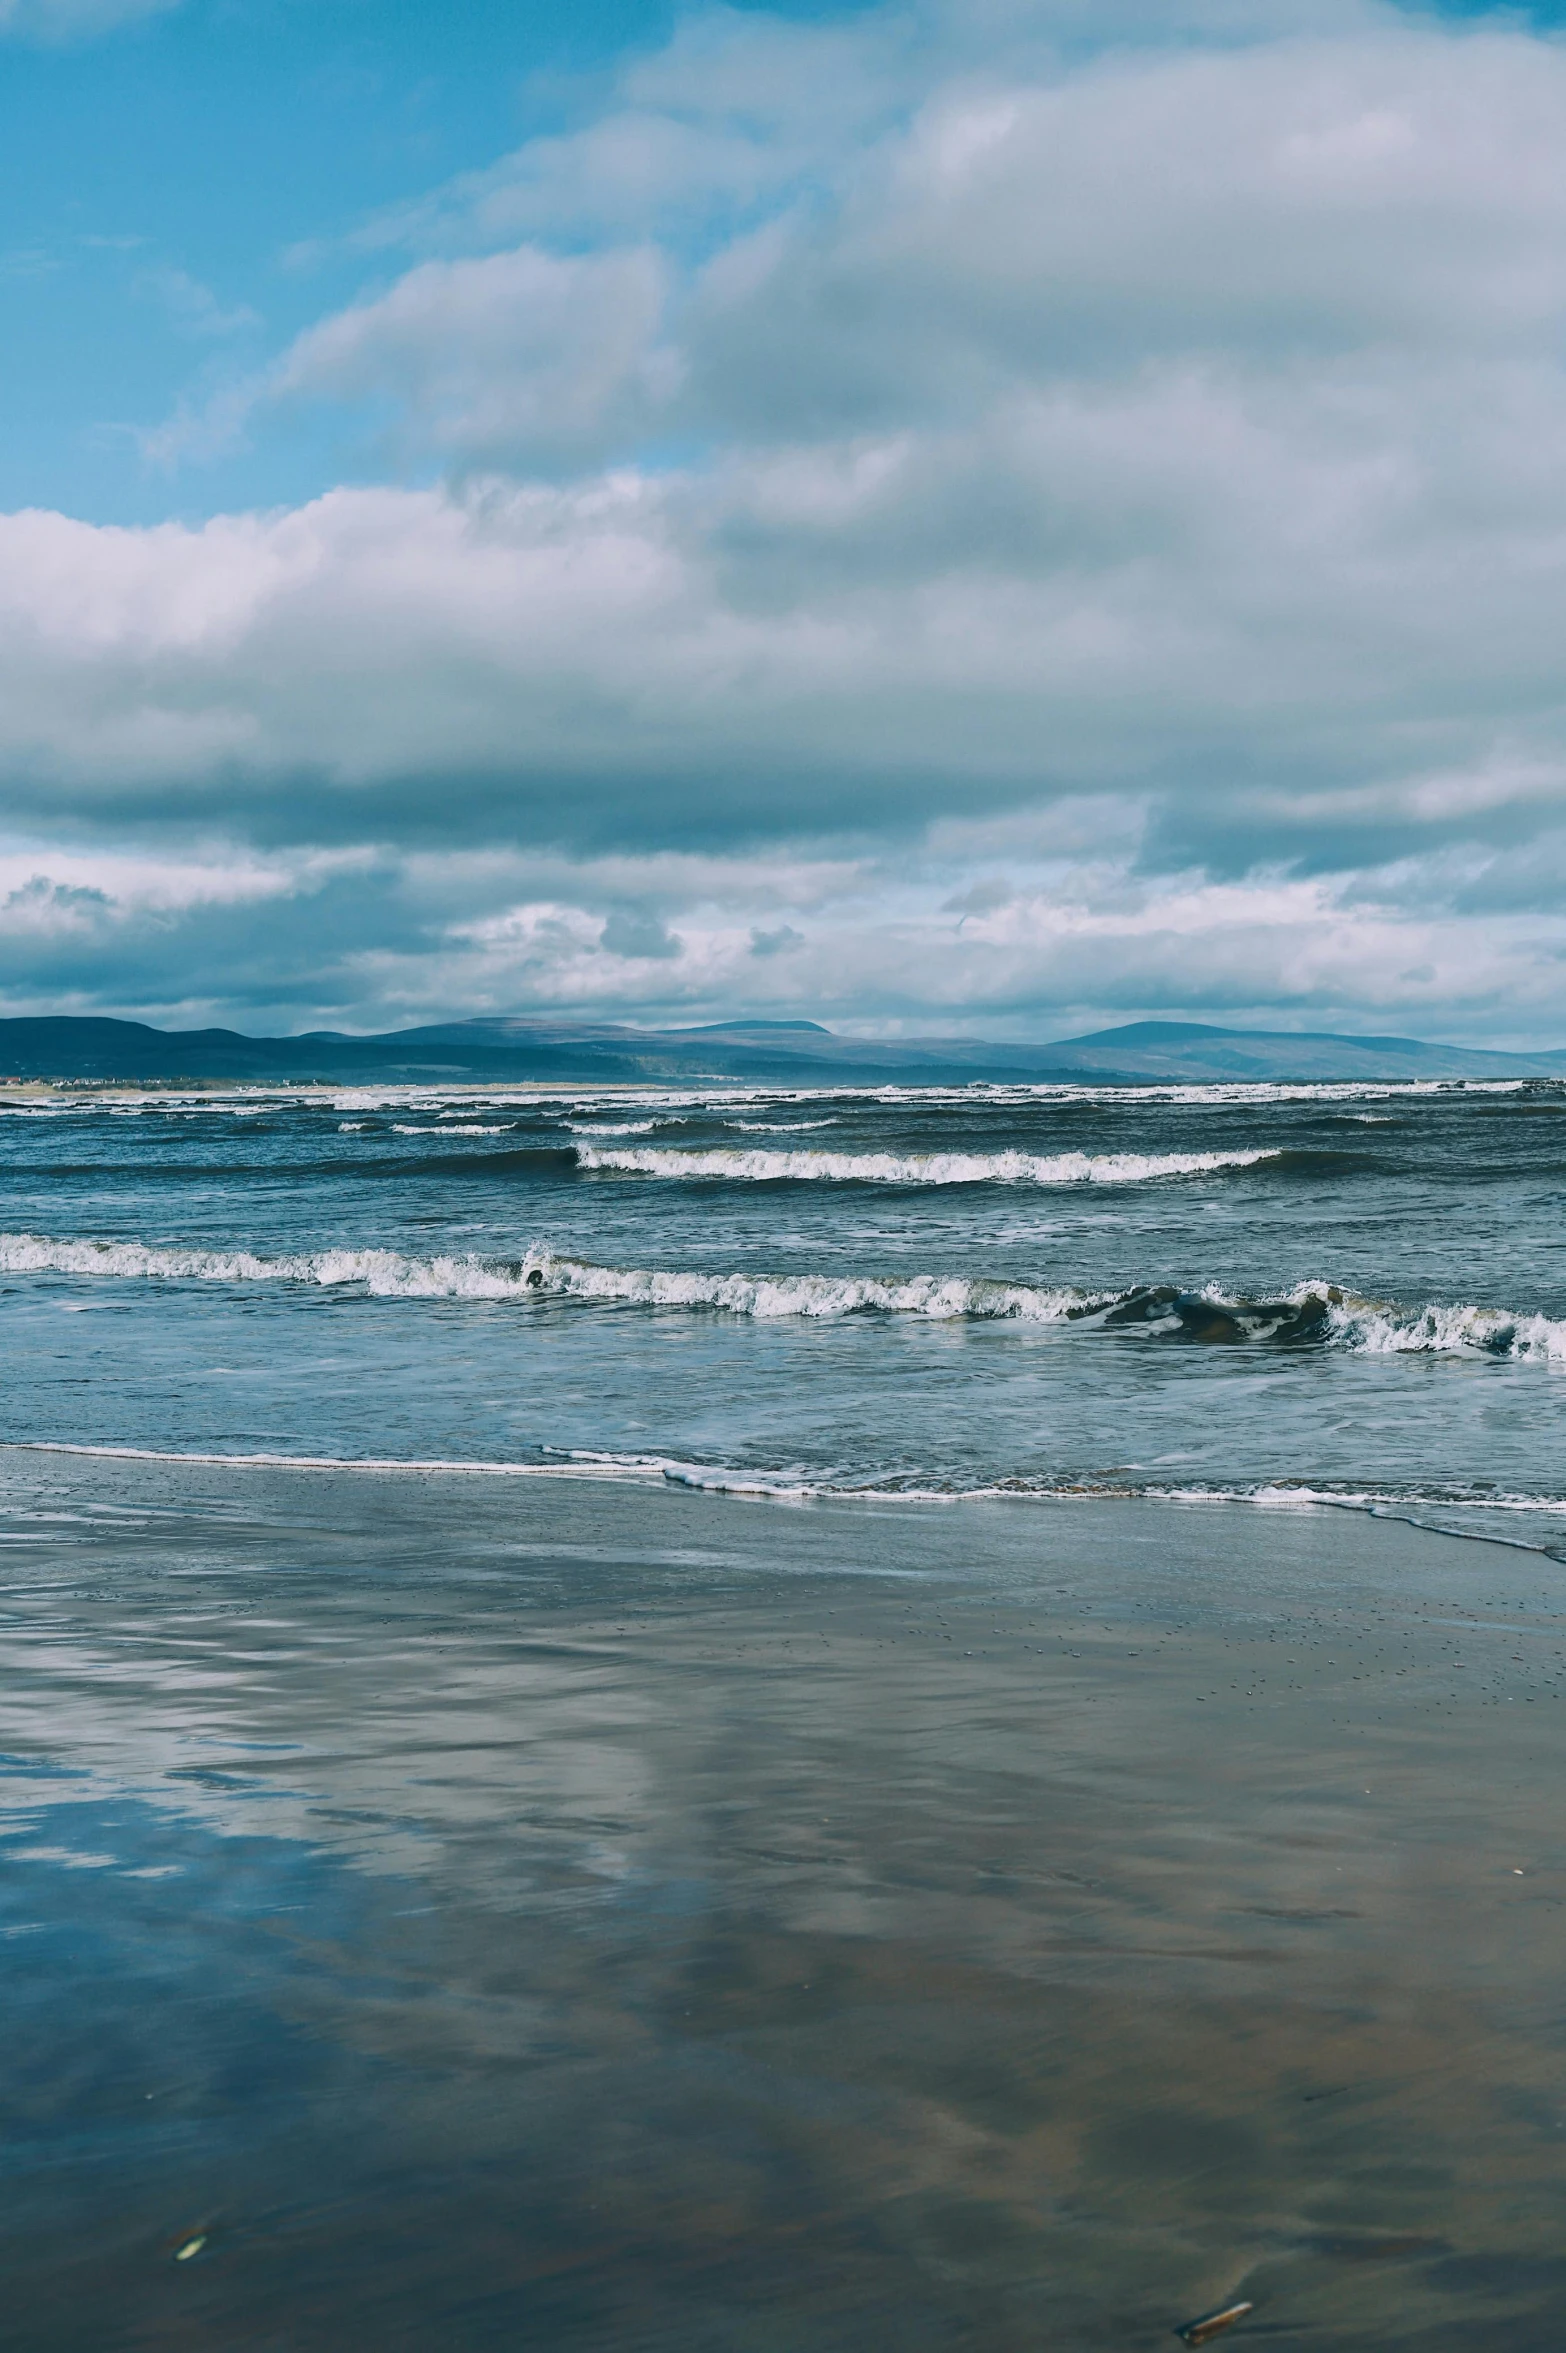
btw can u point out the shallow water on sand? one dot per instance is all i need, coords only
(477, 1914)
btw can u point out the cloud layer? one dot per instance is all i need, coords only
(984, 517)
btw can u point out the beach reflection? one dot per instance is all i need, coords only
(582, 1916)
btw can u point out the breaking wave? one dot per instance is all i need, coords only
(385, 1274)
(388, 1274)
(1311, 1313)
(747, 1163)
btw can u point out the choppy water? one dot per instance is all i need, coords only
(1356, 1291)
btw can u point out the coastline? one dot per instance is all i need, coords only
(1469, 1516)
(560, 1912)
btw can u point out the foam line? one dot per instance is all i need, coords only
(1313, 1312)
(785, 1487)
(746, 1164)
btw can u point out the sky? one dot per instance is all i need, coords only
(980, 516)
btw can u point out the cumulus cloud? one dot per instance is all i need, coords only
(635, 933)
(517, 358)
(1139, 429)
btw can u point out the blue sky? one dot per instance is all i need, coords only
(996, 517)
(182, 186)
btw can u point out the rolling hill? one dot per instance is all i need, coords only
(67, 1047)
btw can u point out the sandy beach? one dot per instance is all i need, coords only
(479, 1912)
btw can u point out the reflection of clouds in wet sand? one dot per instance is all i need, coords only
(269, 1701)
(663, 1914)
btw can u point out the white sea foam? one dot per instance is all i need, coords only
(746, 1163)
(941, 1297)
(1372, 1329)
(384, 1274)
(1474, 1514)
(524, 1095)
(1338, 1318)
(387, 1274)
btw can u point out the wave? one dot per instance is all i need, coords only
(249, 1098)
(1311, 1313)
(1442, 1512)
(746, 1163)
(383, 1274)
(388, 1274)
(1326, 1315)
(941, 1297)
(799, 1486)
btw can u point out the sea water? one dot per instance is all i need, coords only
(1351, 1292)
(1002, 1885)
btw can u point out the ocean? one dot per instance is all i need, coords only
(1354, 1292)
(667, 1721)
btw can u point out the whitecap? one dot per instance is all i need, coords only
(1314, 1310)
(746, 1163)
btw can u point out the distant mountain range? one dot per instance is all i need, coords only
(574, 1052)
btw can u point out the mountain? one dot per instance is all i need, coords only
(502, 1050)
(1191, 1050)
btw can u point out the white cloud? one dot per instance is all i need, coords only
(1256, 599)
(519, 357)
(851, 443)
(1034, 939)
(737, 110)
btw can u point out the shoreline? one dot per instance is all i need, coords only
(660, 1473)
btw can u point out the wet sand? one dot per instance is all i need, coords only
(511, 1913)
